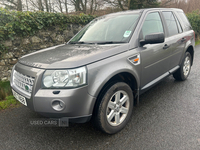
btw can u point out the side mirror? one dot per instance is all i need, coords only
(153, 39)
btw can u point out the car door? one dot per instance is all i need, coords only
(154, 57)
(175, 38)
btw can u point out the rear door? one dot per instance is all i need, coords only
(174, 38)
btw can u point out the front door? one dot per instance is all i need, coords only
(154, 57)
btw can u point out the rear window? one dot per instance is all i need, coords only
(186, 23)
(179, 25)
(171, 23)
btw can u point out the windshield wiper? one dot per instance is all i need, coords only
(110, 42)
(80, 42)
(103, 42)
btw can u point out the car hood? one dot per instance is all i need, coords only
(71, 55)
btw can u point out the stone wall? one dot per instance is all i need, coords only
(20, 46)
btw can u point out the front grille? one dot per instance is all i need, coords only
(23, 82)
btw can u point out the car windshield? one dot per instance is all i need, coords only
(108, 30)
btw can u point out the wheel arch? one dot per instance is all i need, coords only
(126, 77)
(190, 49)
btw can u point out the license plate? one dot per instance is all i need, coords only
(20, 98)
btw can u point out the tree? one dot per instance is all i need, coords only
(46, 5)
(40, 4)
(138, 4)
(85, 6)
(187, 6)
(66, 7)
(12, 4)
(19, 5)
(132, 4)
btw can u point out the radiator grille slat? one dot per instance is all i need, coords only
(23, 82)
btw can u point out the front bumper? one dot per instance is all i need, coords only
(78, 104)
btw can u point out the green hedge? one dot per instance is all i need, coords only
(28, 23)
(194, 19)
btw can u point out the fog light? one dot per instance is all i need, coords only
(58, 105)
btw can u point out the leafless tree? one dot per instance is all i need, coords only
(12, 4)
(46, 5)
(186, 5)
(86, 6)
(132, 4)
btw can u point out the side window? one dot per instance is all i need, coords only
(179, 25)
(152, 24)
(186, 23)
(171, 23)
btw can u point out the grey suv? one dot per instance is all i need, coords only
(103, 69)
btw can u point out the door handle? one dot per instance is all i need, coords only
(183, 39)
(166, 46)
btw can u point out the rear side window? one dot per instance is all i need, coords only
(152, 24)
(186, 23)
(171, 23)
(179, 25)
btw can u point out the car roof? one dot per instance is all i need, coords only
(143, 10)
(172, 9)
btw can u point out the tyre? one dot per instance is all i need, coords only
(183, 72)
(114, 108)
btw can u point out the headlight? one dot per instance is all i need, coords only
(64, 78)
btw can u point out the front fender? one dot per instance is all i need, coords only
(101, 72)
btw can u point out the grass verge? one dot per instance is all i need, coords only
(5, 90)
(7, 100)
(197, 42)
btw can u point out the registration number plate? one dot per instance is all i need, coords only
(20, 98)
